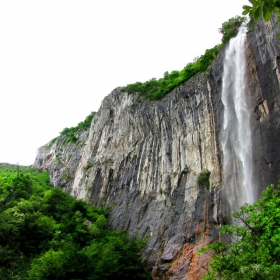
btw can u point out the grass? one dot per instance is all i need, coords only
(40, 178)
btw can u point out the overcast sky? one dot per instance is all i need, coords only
(59, 59)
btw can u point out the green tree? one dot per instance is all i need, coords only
(252, 250)
(156, 89)
(47, 234)
(263, 8)
(229, 28)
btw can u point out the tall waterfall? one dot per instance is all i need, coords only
(236, 135)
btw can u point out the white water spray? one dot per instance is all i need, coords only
(236, 135)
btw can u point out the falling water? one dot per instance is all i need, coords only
(236, 132)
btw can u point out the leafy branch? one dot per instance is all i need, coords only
(253, 251)
(260, 8)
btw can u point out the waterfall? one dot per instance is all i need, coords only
(236, 134)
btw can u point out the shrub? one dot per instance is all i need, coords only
(71, 132)
(203, 178)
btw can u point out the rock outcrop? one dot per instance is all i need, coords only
(145, 159)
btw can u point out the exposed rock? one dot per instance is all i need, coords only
(61, 160)
(263, 87)
(143, 159)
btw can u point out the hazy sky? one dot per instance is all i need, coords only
(59, 59)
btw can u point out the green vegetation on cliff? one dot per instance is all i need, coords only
(156, 89)
(47, 234)
(253, 251)
(71, 133)
(203, 178)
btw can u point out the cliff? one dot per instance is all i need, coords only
(146, 159)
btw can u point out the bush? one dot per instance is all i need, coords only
(203, 178)
(71, 132)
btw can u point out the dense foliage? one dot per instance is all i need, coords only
(71, 133)
(47, 234)
(263, 8)
(230, 28)
(254, 252)
(156, 89)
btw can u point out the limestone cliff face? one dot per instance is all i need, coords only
(61, 160)
(144, 159)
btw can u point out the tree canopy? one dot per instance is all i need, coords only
(47, 234)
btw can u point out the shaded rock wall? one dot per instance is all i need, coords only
(144, 159)
(263, 88)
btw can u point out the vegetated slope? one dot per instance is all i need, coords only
(47, 234)
(70, 134)
(156, 89)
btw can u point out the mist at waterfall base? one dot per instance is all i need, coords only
(236, 134)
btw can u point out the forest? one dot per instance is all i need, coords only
(47, 234)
